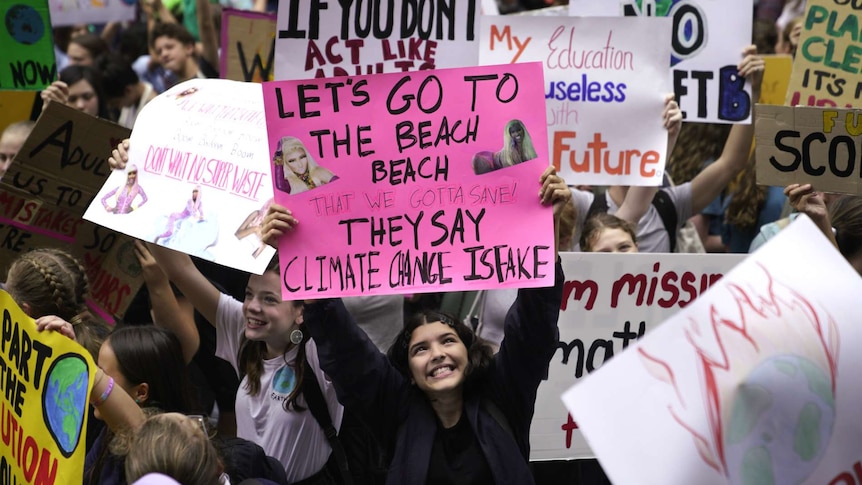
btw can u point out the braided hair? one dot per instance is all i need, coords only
(53, 282)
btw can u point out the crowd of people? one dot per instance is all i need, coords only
(212, 377)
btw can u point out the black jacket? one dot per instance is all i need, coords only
(402, 415)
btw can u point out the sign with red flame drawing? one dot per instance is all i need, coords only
(754, 382)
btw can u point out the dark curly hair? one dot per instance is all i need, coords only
(480, 353)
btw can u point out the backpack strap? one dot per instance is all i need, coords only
(599, 205)
(318, 408)
(669, 218)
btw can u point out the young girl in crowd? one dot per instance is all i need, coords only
(451, 411)
(147, 363)
(263, 339)
(606, 233)
(51, 286)
(79, 87)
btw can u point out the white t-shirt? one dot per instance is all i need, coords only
(294, 438)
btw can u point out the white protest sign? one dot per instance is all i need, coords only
(609, 301)
(317, 39)
(73, 12)
(754, 382)
(707, 39)
(605, 82)
(198, 178)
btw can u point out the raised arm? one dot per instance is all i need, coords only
(116, 408)
(194, 285)
(712, 180)
(176, 315)
(208, 34)
(554, 191)
(638, 199)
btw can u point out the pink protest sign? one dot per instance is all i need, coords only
(412, 182)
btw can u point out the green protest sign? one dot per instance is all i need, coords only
(26, 43)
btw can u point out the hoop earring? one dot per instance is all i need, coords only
(296, 336)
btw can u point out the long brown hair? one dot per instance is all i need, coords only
(252, 354)
(698, 143)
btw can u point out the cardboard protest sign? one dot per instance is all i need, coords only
(802, 145)
(827, 67)
(756, 381)
(776, 79)
(319, 39)
(400, 184)
(248, 45)
(72, 12)
(610, 301)
(707, 39)
(605, 82)
(46, 382)
(27, 46)
(198, 178)
(55, 175)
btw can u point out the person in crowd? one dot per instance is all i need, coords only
(86, 49)
(840, 219)
(51, 286)
(263, 338)
(449, 409)
(124, 197)
(50, 281)
(147, 363)
(179, 447)
(788, 37)
(688, 198)
(124, 90)
(302, 172)
(11, 141)
(174, 48)
(174, 445)
(79, 87)
(606, 233)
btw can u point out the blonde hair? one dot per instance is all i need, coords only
(20, 128)
(173, 445)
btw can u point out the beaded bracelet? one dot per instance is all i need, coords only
(101, 400)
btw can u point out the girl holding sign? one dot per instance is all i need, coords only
(262, 337)
(449, 409)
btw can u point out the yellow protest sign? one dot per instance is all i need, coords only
(45, 380)
(828, 62)
(15, 106)
(776, 78)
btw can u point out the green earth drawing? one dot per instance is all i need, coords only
(64, 401)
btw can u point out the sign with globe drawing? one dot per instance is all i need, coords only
(754, 382)
(45, 380)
